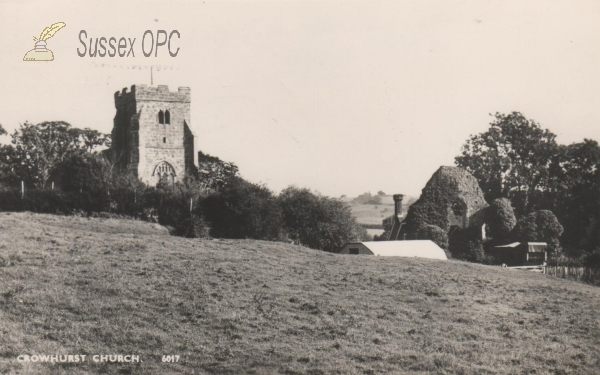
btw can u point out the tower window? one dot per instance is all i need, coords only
(161, 117)
(165, 140)
(168, 117)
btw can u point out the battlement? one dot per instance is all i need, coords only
(143, 92)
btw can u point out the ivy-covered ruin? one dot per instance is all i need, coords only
(453, 213)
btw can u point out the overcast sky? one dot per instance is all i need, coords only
(341, 97)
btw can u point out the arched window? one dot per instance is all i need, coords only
(161, 117)
(168, 117)
(458, 213)
(164, 172)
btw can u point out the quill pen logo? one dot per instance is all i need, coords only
(40, 52)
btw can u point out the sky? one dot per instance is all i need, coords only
(342, 97)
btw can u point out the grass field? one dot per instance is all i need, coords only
(102, 286)
(373, 214)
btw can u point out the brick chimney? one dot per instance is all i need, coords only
(398, 205)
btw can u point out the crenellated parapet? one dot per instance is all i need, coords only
(143, 92)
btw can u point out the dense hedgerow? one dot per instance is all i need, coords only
(239, 209)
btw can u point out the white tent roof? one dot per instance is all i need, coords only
(514, 244)
(417, 248)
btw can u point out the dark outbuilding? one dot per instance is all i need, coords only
(519, 254)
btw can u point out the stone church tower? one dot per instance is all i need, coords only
(151, 136)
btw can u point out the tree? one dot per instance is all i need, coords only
(242, 209)
(92, 139)
(539, 226)
(575, 196)
(375, 200)
(2, 131)
(513, 158)
(388, 225)
(37, 150)
(214, 172)
(517, 159)
(318, 222)
(363, 198)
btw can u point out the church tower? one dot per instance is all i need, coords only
(151, 136)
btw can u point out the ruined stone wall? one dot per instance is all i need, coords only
(450, 191)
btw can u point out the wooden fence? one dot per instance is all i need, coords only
(586, 274)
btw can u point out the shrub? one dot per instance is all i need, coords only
(539, 226)
(49, 201)
(501, 220)
(318, 222)
(465, 244)
(194, 227)
(243, 210)
(387, 224)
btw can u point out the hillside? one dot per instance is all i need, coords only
(95, 286)
(373, 214)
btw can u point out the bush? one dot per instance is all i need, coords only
(501, 220)
(464, 244)
(318, 222)
(387, 224)
(539, 226)
(243, 210)
(51, 201)
(194, 227)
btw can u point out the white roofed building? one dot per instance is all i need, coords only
(417, 248)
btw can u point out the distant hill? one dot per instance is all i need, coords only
(371, 215)
(102, 286)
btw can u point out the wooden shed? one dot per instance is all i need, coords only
(519, 254)
(418, 248)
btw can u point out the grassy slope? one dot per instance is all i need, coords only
(74, 286)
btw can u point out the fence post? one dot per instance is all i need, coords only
(22, 189)
(191, 206)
